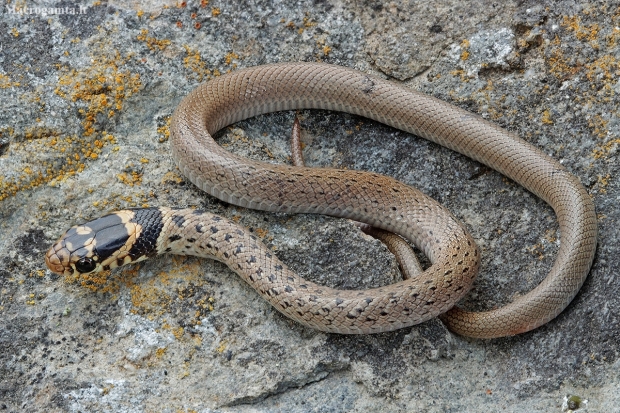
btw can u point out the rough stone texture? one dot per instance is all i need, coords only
(85, 104)
(405, 38)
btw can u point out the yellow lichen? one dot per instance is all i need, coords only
(598, 125)
(601, 151)
(546, 117)
(103, 86)
(178, 332)
(229, 58)
(5, 82)
(151, 42)
(582, 32)
(131, 178)
(193, 61)
(261, 232)
(602, 182)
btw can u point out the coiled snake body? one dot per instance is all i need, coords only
(132, 235)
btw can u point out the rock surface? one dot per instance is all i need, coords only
(86, 102)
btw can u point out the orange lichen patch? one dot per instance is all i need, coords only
(132, 178)
(602, 182)
(204, 3)
(5, 82)
(160, 352)
(149, 301)
(601, 151)
(598, 125)
(67, 156)
(496, 108)
(599, 75)
(7, 130)
(103, 86)
(215, 11)
(164, 130)
(137, 199)
(261, 232)
(37, 273)
(538, 250)
(228, 59)
(546, 117)
(605, 68)
(30, 299)
(154, 297)
(152, 42)
(193, 61)
(308, 22)
(172, 177)
(201, 304)
(464, 49)
(100, 282)
(460, 73)
(613, 37)
(178, 332)
(550, 237)
(582, 32)
(324, 48)
(559, 66)
(107, 389)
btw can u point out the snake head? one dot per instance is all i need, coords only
(102, 244)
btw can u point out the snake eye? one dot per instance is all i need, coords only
(85, 265)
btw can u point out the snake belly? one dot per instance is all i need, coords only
(381, 201)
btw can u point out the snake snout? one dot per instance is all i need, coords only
(57, 259)
(72, 252)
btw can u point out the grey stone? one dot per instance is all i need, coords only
(182, 334)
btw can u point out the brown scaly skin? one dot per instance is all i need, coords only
(379, 201)
(368, 197)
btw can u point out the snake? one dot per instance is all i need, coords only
(129, 236)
